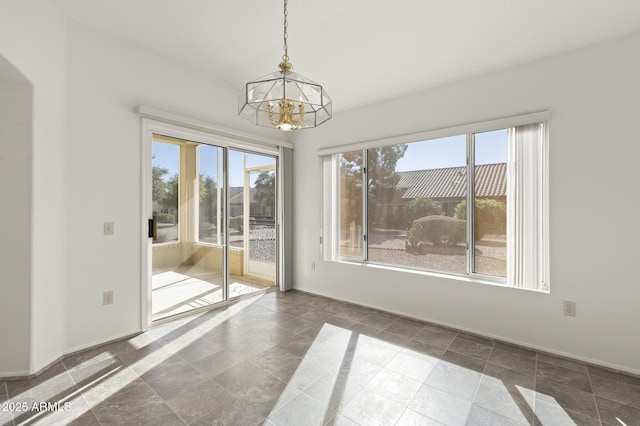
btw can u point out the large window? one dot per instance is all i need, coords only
(470, 204)
(350, 196)
(166, 191)
(210, 194)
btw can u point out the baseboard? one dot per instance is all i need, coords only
(102, 342)
(15, 375)
(525, 345)
(25, 375)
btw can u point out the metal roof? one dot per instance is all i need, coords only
(450, 182)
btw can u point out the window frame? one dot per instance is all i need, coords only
(329, 241)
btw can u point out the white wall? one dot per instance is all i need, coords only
(15, 218)
(107, 78)
(86, 159)
(32, 39)
(85, 169)
(594, 98)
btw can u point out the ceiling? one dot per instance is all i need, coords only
(361, 51)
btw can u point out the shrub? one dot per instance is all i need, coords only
(420, 207)
(491, 216)
(166, 218)
(438, 230)
(415, 237)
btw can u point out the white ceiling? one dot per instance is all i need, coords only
(361, 51)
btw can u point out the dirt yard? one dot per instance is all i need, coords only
(388, 247)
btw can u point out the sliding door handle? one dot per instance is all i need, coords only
(153, 228)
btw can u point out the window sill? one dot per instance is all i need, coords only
(475, 279)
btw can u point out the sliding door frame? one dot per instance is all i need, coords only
(158, 122)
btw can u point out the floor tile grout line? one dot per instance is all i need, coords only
(365, 387)
(457, 331)
(535, 389)
(482, 374)
(564, 386)
(6, 396)
(514, 369)
(164, 401)
(593, 394)
(538, 359)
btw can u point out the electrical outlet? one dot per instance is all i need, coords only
(108, 228)
(569, 308)
(107, 297)
(313, 265)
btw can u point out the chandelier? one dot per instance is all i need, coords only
(284, 99)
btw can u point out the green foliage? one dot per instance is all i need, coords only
(170, 198)
(202, 188)
(350, 189)
(383, 181)
(381, 184)
(166, 218)
(437, 230)
(420, 207)
(415, 237)
(490, 216)
(159, 185)
(266, 192)
(460, 212)
(208, 199)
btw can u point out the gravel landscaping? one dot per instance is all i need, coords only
(387, 247)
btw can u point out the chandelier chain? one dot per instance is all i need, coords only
(285, 57)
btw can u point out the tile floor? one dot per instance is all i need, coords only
(185, 288)
(297, 359)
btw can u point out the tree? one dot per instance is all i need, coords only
(382, 180)
(350, 189)
(490, 216)
(159, 185)
(266, 192)
(170, 198)
(208, 199)
(420, 207)
(381, 184)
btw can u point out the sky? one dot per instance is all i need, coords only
(491, 147)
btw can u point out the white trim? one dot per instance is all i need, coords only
(484, 126)
(527, 226)
(279, 216)
(364, 235)
(179, 131)
(146, 202)
(149, 127)
(545, 244)
(101, 342)
(224, 133)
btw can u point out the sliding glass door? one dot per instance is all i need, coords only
(213, 226)
(252, 225)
